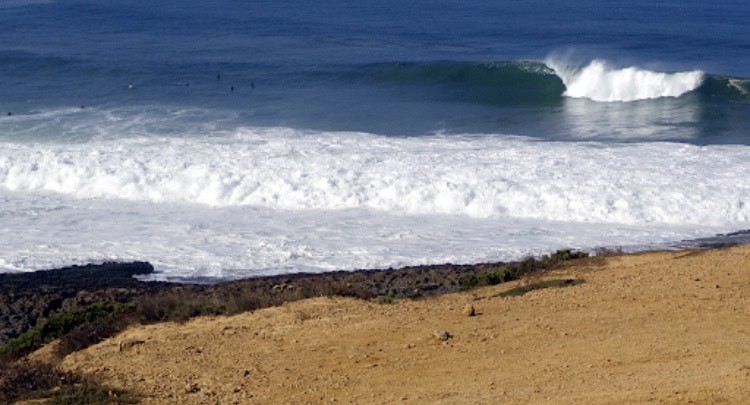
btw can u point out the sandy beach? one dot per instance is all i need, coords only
(663, 327)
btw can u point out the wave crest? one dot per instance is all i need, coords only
(599, 82)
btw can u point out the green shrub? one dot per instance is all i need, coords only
(56, 326)
(489, 277)
(176, 306)
(514, 271)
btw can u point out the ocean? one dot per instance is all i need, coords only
(221, 139)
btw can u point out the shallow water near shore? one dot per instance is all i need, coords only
(220, 141)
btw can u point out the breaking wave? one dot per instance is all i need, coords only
(536, 83)
(476, 176)
(600, 82)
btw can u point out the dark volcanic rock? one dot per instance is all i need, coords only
(407, 282)
(80, 278)
(26, 298)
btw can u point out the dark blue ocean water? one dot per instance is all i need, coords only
(226, 138)
(385, 67)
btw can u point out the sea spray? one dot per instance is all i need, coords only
(600, 82)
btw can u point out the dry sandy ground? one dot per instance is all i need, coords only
(668, 327)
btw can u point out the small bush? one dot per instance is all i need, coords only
(90, 334)
(567, 254)
(389, 298)
(32, 380)
(176, 305)
(489, 277)
(516, 270)
(19, 379)
(238, 303)
(57, 326)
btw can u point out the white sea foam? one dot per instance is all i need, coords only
(599, 82)
(188, 242)
(278, 200)
(476, 176)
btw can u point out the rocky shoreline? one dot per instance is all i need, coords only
(28, 298)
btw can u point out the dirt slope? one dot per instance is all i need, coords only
(650, 328)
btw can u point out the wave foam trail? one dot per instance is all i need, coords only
(475, 176)
(599, 82)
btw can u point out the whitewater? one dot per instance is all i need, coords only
(477, 176)
(220, 139)
(599, 82)
(263, 201)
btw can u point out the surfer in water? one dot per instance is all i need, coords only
(737, 84)
(130, 86)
